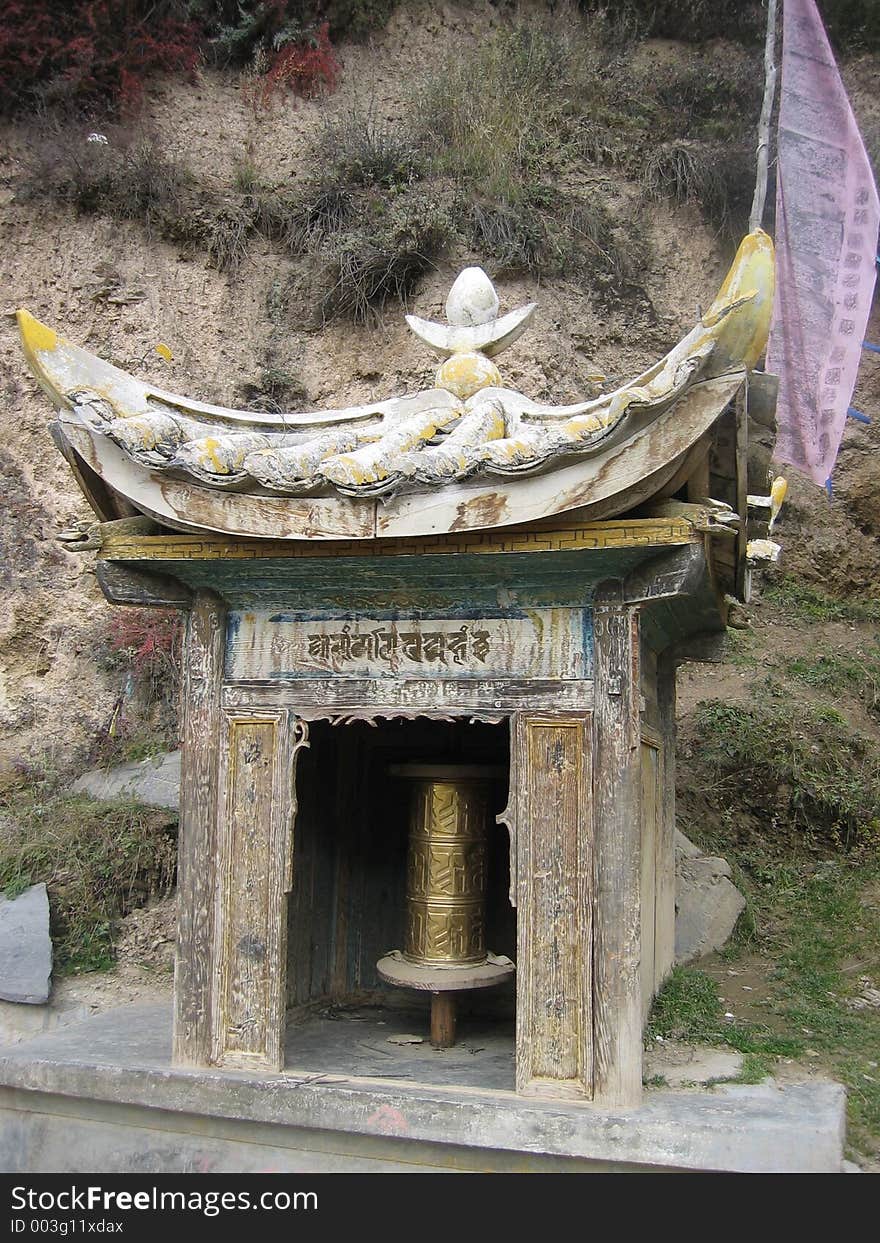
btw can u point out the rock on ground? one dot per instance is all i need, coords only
(25, 947)
(146, 937)
(707, 903)
(155, 781)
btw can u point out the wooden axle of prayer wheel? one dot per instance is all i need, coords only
(444, 950)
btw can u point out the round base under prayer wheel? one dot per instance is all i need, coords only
(445, 946)
(395, 969)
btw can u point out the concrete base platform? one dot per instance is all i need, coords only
(102, 1097)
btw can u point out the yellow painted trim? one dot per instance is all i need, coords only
(34, 335)
(742, 308)
(37, 341)
(631, 533)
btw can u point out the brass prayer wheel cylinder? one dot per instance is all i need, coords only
(445, 942)
(446, 869)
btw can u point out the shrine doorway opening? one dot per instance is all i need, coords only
(348, 904)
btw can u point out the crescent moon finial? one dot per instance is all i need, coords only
(472, 312)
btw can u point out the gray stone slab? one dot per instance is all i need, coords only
(51, 1134)
(707, 903)
(19, 1022)
(360, 1043)
(155, 781)
(684, 847)
(683, 1065)
(119, 1062)
(25, 947)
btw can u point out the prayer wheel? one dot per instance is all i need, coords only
(444, 949)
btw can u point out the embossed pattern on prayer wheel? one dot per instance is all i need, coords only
(444, 949)
(446, 873)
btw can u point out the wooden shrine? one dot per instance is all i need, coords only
(459, 586)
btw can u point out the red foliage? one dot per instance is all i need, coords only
(89, 50)
(150, 638)
(307, 68)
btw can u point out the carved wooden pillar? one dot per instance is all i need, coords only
(651, 765)
(550, 816)
(237, 805)
(255, 813)
(617, 816)
(196, 888)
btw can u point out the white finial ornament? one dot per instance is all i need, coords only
(472, 299)
(473, 335)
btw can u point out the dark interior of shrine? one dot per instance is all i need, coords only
(348, 903)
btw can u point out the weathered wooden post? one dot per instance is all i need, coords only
(197, 855)
(618, 871)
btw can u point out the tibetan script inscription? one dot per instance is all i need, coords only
(539, 643)
(384, 645)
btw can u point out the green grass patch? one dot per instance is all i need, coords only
(688, 1008)
(99, 860)
(817, 780)
(836, 672)
(790, 796)
(804, 602)
(824, 937)
(740, 648)
(755, 1068)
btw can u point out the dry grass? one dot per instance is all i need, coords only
(505, 112)
(687, 20)
(99, 860)
(718, 179)
(507, 119)
(120, 173)
(496, 156)
(364, 268)
(274, 388)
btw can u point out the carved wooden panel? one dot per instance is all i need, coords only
(554, 1047)
(664, 913)
(254, 848)
(360, 698)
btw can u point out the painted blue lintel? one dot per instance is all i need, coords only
(433, 584)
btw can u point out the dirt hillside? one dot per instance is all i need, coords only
(111, 288)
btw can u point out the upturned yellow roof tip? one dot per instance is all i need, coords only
(34, 335)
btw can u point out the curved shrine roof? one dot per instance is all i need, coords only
(467, 453)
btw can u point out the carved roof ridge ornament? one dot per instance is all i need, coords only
(167, 454)
(473, 335)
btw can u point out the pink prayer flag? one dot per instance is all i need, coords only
(827, 217)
